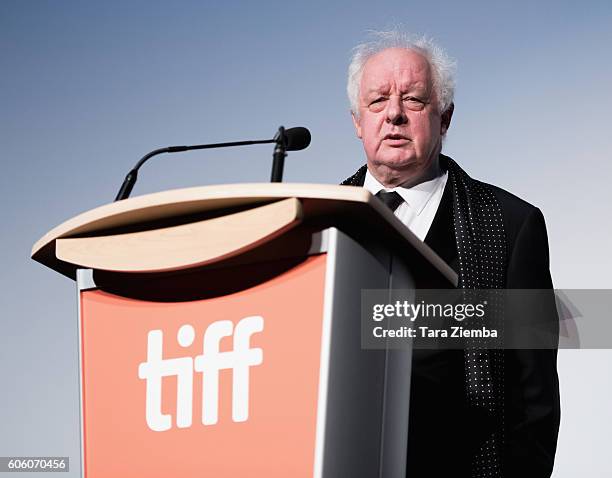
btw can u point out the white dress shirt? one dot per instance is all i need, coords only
(420, 204)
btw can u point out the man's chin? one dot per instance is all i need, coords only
(392, 172)
(397, 164)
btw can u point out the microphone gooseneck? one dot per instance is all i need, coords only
(292, 139)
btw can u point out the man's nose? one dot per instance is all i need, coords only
(395, 111)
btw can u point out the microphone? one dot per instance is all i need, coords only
(298, 138)
(292, 139)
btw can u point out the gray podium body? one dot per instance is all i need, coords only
(294, 395)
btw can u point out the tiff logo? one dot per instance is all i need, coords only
(209, 363)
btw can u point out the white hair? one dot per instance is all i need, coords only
(442, 66)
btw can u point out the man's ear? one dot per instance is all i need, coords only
(446, 119)
(356, 124)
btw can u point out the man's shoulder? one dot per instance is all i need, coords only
(511, 203)
(516, 212)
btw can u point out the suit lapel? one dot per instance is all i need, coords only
(441, 234)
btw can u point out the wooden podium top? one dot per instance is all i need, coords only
(191, 227)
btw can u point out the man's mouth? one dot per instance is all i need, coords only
(395, 139)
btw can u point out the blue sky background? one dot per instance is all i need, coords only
(87, 88)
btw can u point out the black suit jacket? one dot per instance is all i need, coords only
(443, 430)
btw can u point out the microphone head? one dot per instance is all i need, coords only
(297, 138)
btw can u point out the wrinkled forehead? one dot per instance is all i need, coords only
(396, 69)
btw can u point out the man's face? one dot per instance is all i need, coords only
(399, 120)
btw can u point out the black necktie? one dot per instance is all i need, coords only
(391, 199)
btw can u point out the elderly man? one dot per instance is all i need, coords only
(473, 413)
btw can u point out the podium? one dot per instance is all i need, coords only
(219, 331)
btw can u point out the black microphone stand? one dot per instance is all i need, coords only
(280, 152)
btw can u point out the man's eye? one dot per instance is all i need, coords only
(414, 103)
(377, 105)
(377, 100)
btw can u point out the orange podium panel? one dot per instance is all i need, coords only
(226, 385)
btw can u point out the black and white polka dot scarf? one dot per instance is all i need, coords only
(481, 247)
